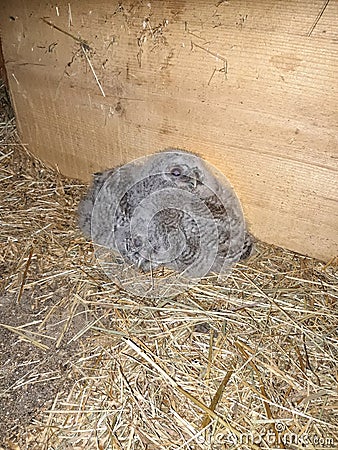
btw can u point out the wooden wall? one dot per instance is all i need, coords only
(250, 86)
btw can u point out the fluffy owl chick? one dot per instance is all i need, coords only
(170, 209)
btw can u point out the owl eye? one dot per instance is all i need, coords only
(176, 171)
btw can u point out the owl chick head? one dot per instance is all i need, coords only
(183, 169)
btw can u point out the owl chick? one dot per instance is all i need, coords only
(170, 209)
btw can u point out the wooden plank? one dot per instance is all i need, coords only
(251, 86)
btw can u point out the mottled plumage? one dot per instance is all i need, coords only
(170, 209)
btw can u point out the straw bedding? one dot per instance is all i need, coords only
(251, 361)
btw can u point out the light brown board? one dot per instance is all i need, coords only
(250, 86)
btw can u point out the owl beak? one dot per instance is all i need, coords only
(195, 176)
(139, 263)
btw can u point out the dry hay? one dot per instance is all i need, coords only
(252, 360)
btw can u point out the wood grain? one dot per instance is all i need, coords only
(241, 83)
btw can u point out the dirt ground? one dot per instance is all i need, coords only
(30, 377)
(33, 367)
